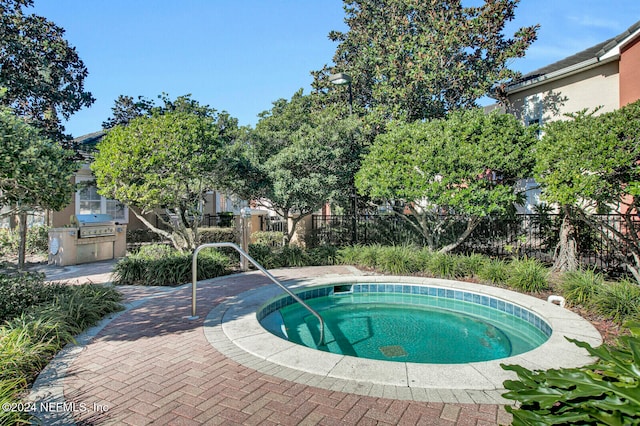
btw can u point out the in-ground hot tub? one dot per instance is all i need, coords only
(406, 323)
(232, 327)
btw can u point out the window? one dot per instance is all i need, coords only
(533, 113)
(88, 201)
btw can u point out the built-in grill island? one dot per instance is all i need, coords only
(89, 238)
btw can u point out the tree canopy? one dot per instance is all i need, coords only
(414, 60)
(296, 159)
(35, 172)
(42, 72)
(464, 166)
(164, 162)
(591, 164)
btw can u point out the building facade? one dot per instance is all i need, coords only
(601, 78)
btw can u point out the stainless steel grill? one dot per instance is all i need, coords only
(95, 225)
(91, 238)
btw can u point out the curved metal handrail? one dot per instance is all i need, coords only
(194, 279)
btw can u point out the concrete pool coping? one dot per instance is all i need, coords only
(233, 329)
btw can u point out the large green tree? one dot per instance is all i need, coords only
(416, 60)
(444, 170)
(35, 172)
(296, 159)
(42, 72)
(164, 164)
(591, 164)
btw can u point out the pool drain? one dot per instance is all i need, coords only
(393, 351)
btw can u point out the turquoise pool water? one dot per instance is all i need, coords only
(406, 327)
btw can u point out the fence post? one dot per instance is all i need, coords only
(245, 235)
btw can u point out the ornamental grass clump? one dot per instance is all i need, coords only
(26, 345)
(293, 256)
(8, 396)
(397, 260)
(31, 338)
(581, 287)
(445, 265)
(423, 257)
(161, 265)
(528, 275)
(619, 301)
(323, 255)
(470, 265)
(494, 271)
(349, 255)
(360, 255)
(368, 255)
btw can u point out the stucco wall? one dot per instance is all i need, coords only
(595, 87)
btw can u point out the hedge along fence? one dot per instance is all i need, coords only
(530, 235)
(520, 274)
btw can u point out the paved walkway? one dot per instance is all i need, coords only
(151, 365)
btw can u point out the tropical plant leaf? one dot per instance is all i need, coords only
(605, 392)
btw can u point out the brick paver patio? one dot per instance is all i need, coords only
(151, 365)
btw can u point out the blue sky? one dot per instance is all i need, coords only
(241, 55)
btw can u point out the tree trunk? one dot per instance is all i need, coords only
(173, 237)
(472, 224)
(566, 259)
(22, 247)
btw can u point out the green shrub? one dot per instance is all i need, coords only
(494, 271)
(81, 308)
(581, 287)
(528, 275)
(280, 257)
(359, 255)
(323, 255)
(155, 251)
(264, 255)
(606, 392)
(8, 242)
(143, 235)
(218, 235)
(619, 301)
(160, 265)
(268, 238)
(20, 291)
(37, 240)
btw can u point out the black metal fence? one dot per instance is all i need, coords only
(272, 224)
(362, 229)
(222, 220)
(532, 235)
